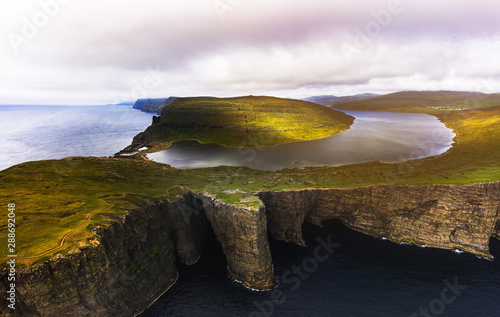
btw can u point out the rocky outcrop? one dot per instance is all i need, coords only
(148, 105)
(443, 216)
(156, 119)
(141, 140)
(242, 232)
(189, 226)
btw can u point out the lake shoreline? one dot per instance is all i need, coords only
(371, 138)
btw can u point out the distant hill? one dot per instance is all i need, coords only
(407, 101)
(329, 100)
(243, 121)
(153, 105)
(125, 103)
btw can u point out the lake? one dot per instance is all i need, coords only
(374, 136)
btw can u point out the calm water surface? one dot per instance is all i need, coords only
(32, 133)
(374, 136)
(364, 277)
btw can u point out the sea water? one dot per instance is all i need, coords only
(363, 277)
(32, 133)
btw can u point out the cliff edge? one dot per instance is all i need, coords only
(133, 260)
(462, 217)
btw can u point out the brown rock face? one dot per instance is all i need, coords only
(143, 139)
(242, 232)
(134, 260)
(133, 264)
(189, 227)
(442, 216)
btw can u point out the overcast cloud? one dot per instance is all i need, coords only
(103, 51)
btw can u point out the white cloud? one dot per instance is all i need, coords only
(96, 51)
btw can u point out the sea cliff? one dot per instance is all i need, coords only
(460, 217)
(153, 105)
(129, 265)
(133, 260)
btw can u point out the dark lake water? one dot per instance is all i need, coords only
(364, 276)
(374, 136)
(31, 133)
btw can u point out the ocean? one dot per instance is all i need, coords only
(53, 132)
(364, 276)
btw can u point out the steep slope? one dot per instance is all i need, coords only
(144, 104)
(153, 105)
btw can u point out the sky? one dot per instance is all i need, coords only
(110, 51)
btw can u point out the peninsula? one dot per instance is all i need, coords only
(240, 122)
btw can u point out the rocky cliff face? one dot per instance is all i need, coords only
(148, 105)
(189, 226)
(242, 232)
(153, 105)
(133, 261)
(143, 139)
(441, 216)
(131, 264)
(496, 232)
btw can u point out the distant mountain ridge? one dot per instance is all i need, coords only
(154, 105)
(329, 100)
(408, 101)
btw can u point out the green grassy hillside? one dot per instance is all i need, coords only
(246, 121)
(415, 101)
(66, 199)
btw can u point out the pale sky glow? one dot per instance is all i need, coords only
(97, 51)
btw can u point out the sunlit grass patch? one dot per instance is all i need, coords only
(246, 121)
